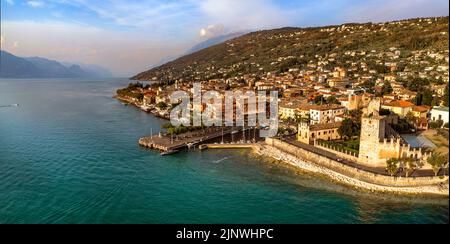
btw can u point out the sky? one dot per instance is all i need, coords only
(130, 36)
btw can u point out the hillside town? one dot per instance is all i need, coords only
(382, 108)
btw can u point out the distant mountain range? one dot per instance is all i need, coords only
(12, 66)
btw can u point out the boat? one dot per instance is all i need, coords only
(15, 105)
(170, 152)
(203, 146)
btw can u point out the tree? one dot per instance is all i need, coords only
(332, 100)
(299, 118)
(349, 129)
(446, 94)
(319, 100)
(387, 88)
(161, 105)
(409, 165)
(426, 96)
(392, 166)
(437, 161)
(436, 124)
(355, 114)
(410, 118)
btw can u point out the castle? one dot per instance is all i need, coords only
(379, 142)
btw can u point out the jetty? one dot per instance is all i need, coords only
(174, 143)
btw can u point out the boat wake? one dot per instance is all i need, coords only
(220, 160)
(8, 106)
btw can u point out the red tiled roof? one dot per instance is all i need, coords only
(399, 104)
(328, 126)
(421, 109)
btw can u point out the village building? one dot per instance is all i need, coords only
(440, 114)
(354, 102)
(308, 133)
(321, 114)
(399, 107)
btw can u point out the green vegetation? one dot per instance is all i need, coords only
(446, 94)
(161, 105)
(178, 130)
(343, 145)
(406, 165)
(320, 100)
(349, 129)
(436, 124)
(392, 166)
(130, 91)
(437, 162)
(409, 165)
(386, 88)
(298, 46)
(402, 127)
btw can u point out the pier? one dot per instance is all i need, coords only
(229, 137)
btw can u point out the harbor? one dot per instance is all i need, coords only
(216, 137)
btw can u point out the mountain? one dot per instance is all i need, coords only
(202, 45)
(96, 70)
(36, 67)
(214, 41)
(53, 69)
(281, 49)
(15, 67)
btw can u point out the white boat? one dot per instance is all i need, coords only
(170, 152)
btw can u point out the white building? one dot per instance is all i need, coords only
(440, 113)
(325, 113)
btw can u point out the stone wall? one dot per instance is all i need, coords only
(344, 155)
(348, 171)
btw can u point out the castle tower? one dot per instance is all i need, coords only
(373, 127)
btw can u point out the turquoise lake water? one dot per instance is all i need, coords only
(69, 154)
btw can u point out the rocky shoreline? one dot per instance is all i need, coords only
(269, 151)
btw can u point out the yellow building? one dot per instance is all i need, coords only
(399, 107)
(309, 133)
(421, 111)
(294, 109)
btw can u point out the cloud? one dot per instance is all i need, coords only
(212, 31)
(15, 44)
(35, 4)
(2, 40)
(134, 13)
(246, 14)
(386, 10)
(10, 2)
(76, 43)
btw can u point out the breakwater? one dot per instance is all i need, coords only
(354, 177)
